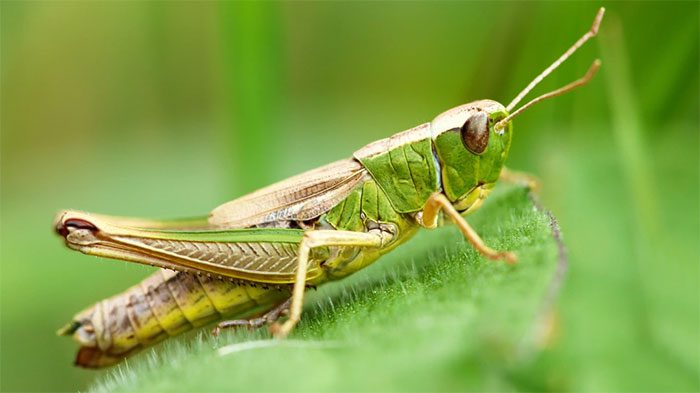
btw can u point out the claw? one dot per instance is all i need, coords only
(280, 330)
(509, 257)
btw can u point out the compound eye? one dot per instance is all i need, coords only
(475, 133)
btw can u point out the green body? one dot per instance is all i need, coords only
(234, 271)
(318, 226)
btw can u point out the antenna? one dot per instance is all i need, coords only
(577, 83)
(589, 34)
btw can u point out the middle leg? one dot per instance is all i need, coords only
(322, 238)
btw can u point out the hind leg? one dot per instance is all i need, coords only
(255, 322)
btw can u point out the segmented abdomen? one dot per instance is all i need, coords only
(165, 304)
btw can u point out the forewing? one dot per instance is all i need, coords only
(228, 246)
(299, 198)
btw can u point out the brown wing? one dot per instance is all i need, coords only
(299, 198)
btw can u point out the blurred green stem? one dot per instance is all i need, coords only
(634, 160)
(253, 67)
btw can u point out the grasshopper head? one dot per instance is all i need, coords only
(472, 140)
(470, 149)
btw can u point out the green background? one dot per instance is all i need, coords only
(168, 109)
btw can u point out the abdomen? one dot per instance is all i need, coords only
(165, 304)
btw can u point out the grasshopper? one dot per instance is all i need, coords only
(258, 253)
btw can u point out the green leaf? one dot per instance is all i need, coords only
(431, 316)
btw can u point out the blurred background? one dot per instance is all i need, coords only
(168, 109)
